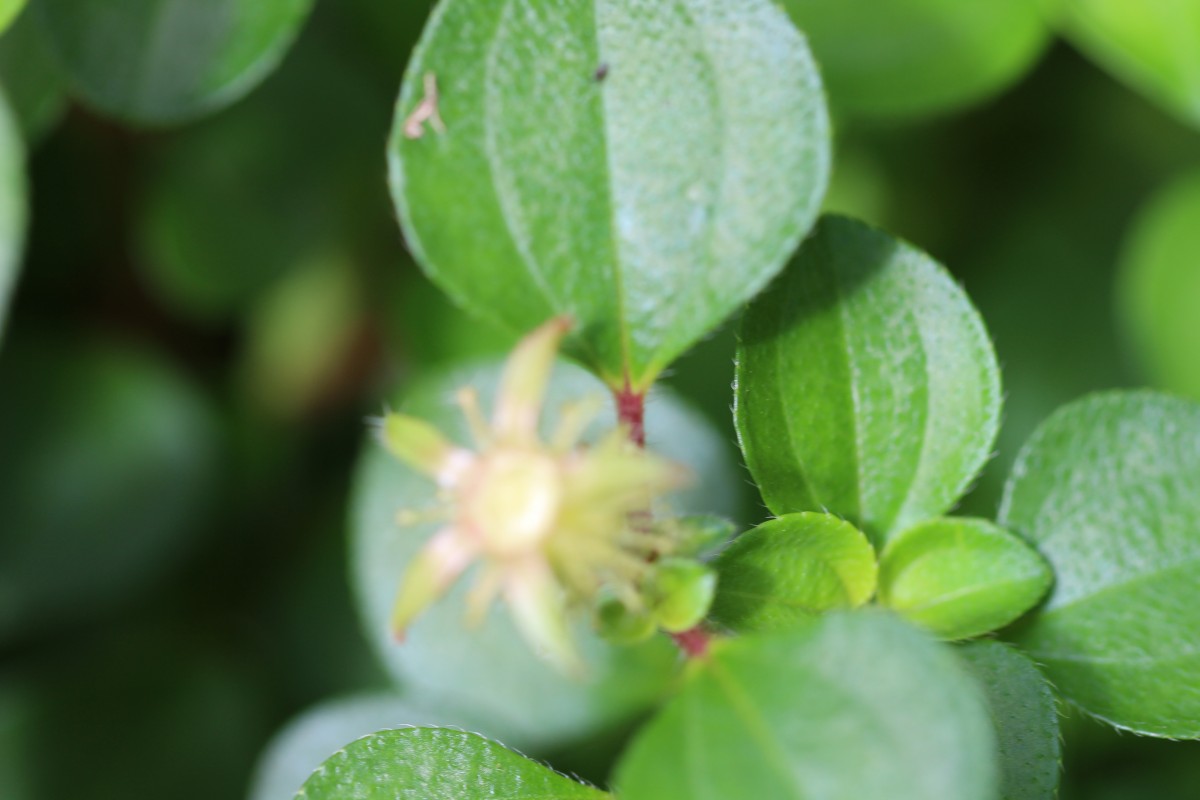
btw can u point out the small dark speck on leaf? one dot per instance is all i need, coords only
(601, 73)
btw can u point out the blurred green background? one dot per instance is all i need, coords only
(213, 296)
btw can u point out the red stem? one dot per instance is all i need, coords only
(631, 412)
(693, 643)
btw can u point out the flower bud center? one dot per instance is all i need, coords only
(514, 501)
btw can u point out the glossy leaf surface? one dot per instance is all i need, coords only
(437, 764)
(850, 706)
(1149, 44)
(866, 383)
(523, 700)
(899, 58)
(1026, 719)
(154, 62)
(645, 167)
(1106, 489)
(1160, 287)
(960, 578)
(788, 569)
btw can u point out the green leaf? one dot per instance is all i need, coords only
(1149, 44)
(1025, 715)
(305, 742)
(31, 78)
(9, 9)
(643, 167)
(12, 207)
(960, 577)
(851, 706)
(154, 62)
(866, 383)
(1160, 287)
(109, 465)
(523, 701)
(790, 568)
(1107, 490)
(437, 764)
(905, 58)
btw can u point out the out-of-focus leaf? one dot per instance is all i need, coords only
(154, 62)
(642, 167)
(12, 208)
(525, 702)
(790, 568)
(31, 78)
(109, 460)
(1149, 44)
(235, 203)
(312, 737)
(300, 336)
(9, 9)
(437, 764)
(1025, 714)
(154, 711)
(851, 706)
(1107, 491)
(866, 383)
(1159, 291)
(959, 577)
(902, 58)
(15, 713)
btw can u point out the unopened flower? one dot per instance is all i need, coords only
(550, 523)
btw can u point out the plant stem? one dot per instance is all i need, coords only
(631, 412)
(693, 643)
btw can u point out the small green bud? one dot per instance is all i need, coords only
(680, 593)
(616, 623)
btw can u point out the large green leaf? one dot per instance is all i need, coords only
(1153, 45)
(645, 167)
(1026, 718)
(30, 76)
(790, 568)
(109, 464)
(895, 58)
(1160, 287)
(162, 61)
(437, 764)
(853, 706)
(521, 699)
(866, 383)
(1107, 490)
(960, 577)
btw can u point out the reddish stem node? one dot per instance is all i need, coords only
(693, 643)
(631, 412)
